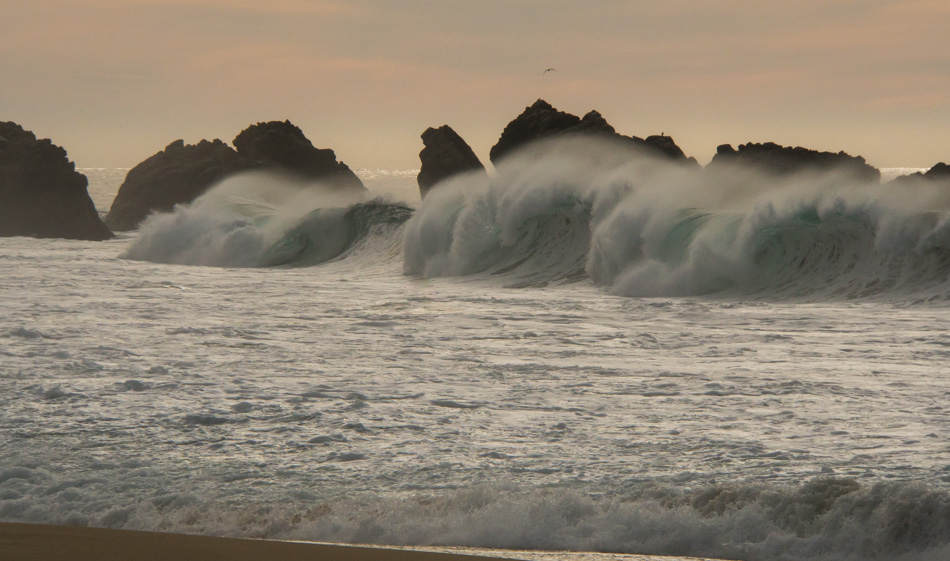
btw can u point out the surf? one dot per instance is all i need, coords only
(581, 209)
(266, 220)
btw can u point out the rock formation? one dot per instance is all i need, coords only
(178, 174)
(940, 172)
(775, 159)
(283, 146)
(541, 120)
(41, 193)
(181, 173)
(445, 154)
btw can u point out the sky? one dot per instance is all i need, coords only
(115, 81)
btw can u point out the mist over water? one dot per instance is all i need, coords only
(651, 228)
(261, 219)
(582, 210)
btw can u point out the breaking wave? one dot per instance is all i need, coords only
(823, 519)
(577, 210)
(265, 220)
(582, 211)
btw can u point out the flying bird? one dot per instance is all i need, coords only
(549, 70)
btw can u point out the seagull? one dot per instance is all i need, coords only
(549, 70)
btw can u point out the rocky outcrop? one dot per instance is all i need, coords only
(775, 159)
(182, 172)
(41, 193)
(665, 145)
(940, 172)
(283, 146)
(541, 120)
(178, 174)
(445, 154)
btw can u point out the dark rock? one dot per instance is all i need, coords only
(593, 123)
(41, 193)
(541, 120)
(940, 172)
(665, 144)
(181, 173)
(445, 154)
(283, 146)
(775, 159)
(535, 122)
(178, 174)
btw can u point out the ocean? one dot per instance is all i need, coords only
(572, 354)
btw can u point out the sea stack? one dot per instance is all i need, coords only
(41, 193)
(939, 173)
(182, 172)
(541, 120)
(777, 160)
(282, 146)
(445, 154)
(178, 174)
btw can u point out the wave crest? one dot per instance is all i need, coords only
(264, 220)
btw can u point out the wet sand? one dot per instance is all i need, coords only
(40, 542)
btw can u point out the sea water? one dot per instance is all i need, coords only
(564, 355)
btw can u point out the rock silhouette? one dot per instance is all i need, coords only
(940, 172)
(775, 159)
(41, 193)
(445, 154)
(541, 120)
(182, 172)
(178, 174)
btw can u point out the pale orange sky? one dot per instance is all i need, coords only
(114, 81)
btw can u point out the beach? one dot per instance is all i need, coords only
(42, 542)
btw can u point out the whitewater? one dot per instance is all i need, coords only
(573, 352)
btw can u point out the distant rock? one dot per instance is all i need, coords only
(41, 193)
(445, 154)
(665, 144)
(283, 146)
(940, 172)
(542, 120)
(780, 160)
(182, 172)
(535, 122)
(178, 174)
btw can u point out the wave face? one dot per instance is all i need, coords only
(579, 209)
(823, 519)
(265, 220)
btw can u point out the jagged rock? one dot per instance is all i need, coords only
(182, 172)
(537, 121)
(541, 120)
(283, 146)
(445, 154)
(940, 172)
(41, 193)
(665, 144)
(178, 174)
(776, 159)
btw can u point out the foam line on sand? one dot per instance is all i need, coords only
(41, 542)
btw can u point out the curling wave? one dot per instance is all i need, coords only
(267, 220)
(823, 519)
(578, 209)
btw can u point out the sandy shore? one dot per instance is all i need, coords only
(39, 542)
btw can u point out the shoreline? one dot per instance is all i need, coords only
(46, 542)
